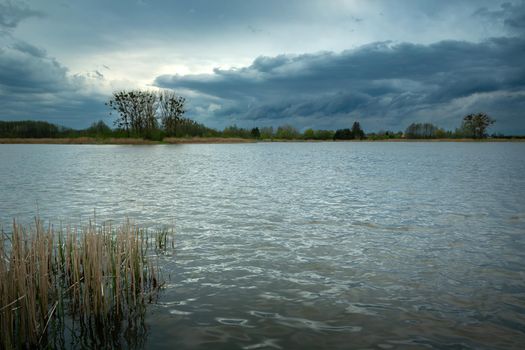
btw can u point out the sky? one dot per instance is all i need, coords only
(319, 64)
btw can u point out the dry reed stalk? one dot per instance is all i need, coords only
(100, 275)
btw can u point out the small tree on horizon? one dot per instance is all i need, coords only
(357, 132)
(475, 125)
(255, 133)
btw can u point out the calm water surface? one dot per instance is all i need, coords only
(321, 245)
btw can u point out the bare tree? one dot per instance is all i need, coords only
(171, 109)
(140, 110)
(476, 125)
(421, 131)
(136, 109)
(119, 103)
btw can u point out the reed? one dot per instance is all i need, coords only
(93, 276)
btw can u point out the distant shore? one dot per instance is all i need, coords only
(121, 141)
(211, 140)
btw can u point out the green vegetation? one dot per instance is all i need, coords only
(287, 132)
(424, 131)
(356, 133)
(158, 115)
(153, 115)
(255, 133)
(29, 129)
(384, 135)
(311, 134)
(235, 131)
(86, 281)
(267, 133)
(475, 125)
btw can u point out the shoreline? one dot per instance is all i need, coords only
(121, 141)
(212, 140)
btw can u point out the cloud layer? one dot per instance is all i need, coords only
(11, 14)
(311, 64)
(385, 85)
(34, 85)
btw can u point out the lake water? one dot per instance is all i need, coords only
(306, 245)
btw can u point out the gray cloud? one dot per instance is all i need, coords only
(11, 14)
(36, 86)
(511, 15)
(384, 84)
(396, 68)
(27, 69)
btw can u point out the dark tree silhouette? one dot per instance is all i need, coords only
(475, 125)
(171, 109)
(29, 129)
(256, 133)
(357, 132)
(136, 109)
(139, 111)
(343, 134)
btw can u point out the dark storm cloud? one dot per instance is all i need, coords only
(511, 15)
(36, 86)
(395, 82)
(25, 68)
(373, 68)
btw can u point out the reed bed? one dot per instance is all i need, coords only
(93, 277)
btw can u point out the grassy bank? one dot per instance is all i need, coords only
(85, 280)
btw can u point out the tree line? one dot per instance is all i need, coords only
(473, 126)
(188, 128)
(29, 129)
(157, 114)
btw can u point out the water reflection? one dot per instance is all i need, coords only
(86, 333)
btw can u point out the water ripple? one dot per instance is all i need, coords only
(326, 245)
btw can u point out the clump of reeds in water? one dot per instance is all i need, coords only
(92, 277)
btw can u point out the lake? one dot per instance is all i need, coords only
(305, 245)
